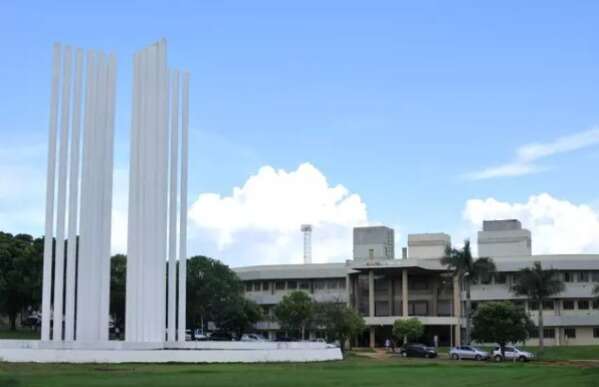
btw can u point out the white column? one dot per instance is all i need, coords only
(61, 198)
(183, 203)
(73, 201)
(50, 178)
(172, 262)
(84, 269)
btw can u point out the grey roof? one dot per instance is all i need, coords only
(341, 269)
(292, 271)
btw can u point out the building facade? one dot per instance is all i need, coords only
(383, 288)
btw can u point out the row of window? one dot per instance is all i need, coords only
(569, 333)
(566, 276)
(567, 304)
(317, 284)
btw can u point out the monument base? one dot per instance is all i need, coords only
(33, 351)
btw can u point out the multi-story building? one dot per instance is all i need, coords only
(383, 288)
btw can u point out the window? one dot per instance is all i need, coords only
(291, 284)
(319, 284)
(248, 286)
(548, 305)
(256, 286)
(568, 304)
(570, 333)
(568, 277)
(596, 332)
(280, 285)
(595, 304)
(265, 285)
(500, 278)
(418, 308)
(583, 304)
(305, 285)
(549, 333)
(341, 283)
(595, 276)
(533, 305)
(418, 284)
(485, 279)
(583, 276)
(332, 284)
(443, 308)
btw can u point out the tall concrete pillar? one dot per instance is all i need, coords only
(372, 342)
(348, 290)
(435, 300)
(404, 292)
(371, 293)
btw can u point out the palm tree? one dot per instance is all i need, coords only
(596, 291)
(465, 267)
(538, 285)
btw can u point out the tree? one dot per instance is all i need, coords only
(538, 285)
(295, 311)
(215, 293)
(118, 287)
(501, 323)
(240, 315)
(465, 267)
(20, 274)
(407, 329)
(339, 321)
(596, 290)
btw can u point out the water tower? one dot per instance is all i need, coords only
(307, 230)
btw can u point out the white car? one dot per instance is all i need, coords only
(467, 352)
(512, 353)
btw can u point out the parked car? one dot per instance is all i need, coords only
(198, 335)
(468, 352)
(512, 353)
(252, 337)
(220, 336)
(417, 350)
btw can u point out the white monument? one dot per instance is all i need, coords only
(88, 113)
(157, 226)
(153, 201)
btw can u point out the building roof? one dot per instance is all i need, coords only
(341, 269)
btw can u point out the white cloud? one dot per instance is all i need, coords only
(528, 155)
(259, 222)
(557, 226)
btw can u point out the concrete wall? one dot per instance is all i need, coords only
(374, 243)
(426, 246)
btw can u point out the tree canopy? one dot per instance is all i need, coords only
(295, 311)
(501, 323)
(538, 285)
(408, 329)
(21, 259)
(215, 293)
(339, 321)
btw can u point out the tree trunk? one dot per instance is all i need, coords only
(13, 321)
(541, 329)
(468, 308)
(303, 332)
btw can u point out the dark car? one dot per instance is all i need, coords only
(220, 336)
(417, 350)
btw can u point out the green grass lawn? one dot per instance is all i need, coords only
(351, 372)
(20, 334)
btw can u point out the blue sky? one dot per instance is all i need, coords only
(402, 103)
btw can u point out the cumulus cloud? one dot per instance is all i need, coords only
(259, 222)
(557, 226)
(527, 156)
